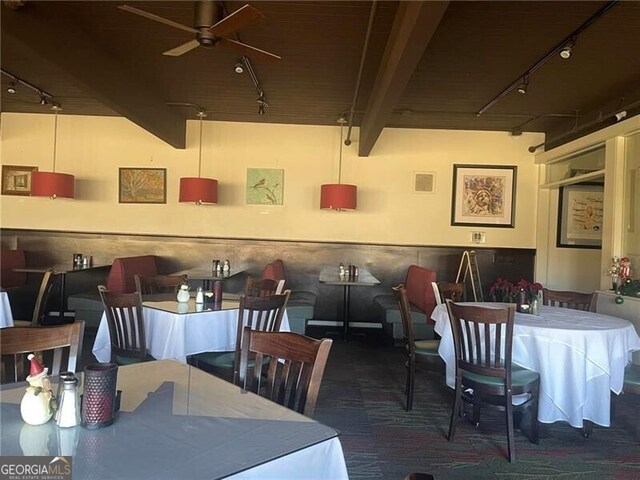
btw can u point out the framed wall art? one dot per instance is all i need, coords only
(483, 195)
(265, 186)
(580, 215)
(16, 179)
(142, 185)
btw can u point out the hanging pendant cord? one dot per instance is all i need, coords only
(200, 148)
(342, 120)
(55, 137)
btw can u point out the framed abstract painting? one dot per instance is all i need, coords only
(484, 195)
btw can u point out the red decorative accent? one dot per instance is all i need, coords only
(198, 190)
(36, 367)
(52, 184)
(339, 196)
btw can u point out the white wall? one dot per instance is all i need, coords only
(92, 149)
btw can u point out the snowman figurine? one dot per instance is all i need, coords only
(36, 406)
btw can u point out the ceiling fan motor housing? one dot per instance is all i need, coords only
(207, 13)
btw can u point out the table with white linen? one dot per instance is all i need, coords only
(6, 317)
(176, 421)
(580, 356)
(174, 335)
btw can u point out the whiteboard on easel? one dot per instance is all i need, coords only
(469, 269)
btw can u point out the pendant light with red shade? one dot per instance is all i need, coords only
(339, 196)
(197, 189)
(53, 184)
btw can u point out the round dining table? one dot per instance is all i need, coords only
(580, 356)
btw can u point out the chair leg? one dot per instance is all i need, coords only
(535, 433)
(511, 451)
(411, 372)
(455, 411)
(587, 428)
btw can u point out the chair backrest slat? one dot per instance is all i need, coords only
(42, 298)
(400, 293)
(294, 371)
(17, 342)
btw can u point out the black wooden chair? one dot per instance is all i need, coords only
(126, 326)
(415, 349)
(39, 309)
(568, 299)
(483, 340)
(18, 342)
(261, 313)
(289, 368)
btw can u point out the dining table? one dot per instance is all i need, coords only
(6, 317)
(178, 422)
(176, 330)
(580, 356)
(209, 275)
(62, 271)
(331, 276)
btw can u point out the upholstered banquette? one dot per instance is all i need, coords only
(121, 279)
(421, 300)
(301, 304)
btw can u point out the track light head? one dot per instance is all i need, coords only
(12, 88)
(565, 52)
(239, 68)
(522, 88)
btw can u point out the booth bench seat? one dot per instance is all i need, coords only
(88, 305)
(421, 300)
(301, 303)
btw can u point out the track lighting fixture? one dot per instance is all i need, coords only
(522, 88)
(239, 68)
(262, 104)
(565, 52)
(45, 98)
(12, 88)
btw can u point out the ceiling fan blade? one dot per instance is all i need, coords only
(249, 51)
(182, 49)
(235, 21)
(156, 18)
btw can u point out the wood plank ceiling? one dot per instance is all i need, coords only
(428, 65)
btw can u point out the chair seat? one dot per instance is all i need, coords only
(632, 375)
(121, 360)
(519, 377)
(427, 347)
(221, 360)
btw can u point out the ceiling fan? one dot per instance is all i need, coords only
(211, 28)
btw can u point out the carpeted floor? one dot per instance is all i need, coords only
(362, 396)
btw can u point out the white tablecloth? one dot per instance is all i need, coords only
(175, 336)
(6, 317)
(580, 356)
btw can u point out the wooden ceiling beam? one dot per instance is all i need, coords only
(413, 27)
(99, 75)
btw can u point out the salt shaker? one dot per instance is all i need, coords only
(199, 295)
(534, 306)
(68, 414)
(341, 270)
(227, 266)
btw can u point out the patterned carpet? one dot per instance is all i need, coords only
(362, 396)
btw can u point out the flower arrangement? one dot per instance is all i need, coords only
(531, 289)
(505, 291)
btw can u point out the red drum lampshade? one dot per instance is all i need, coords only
(339, 196)
(52, 185)
(198, 190)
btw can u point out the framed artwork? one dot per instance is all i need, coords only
(142, 185)
(265, 186)
(484, 195)
(16, 179)
(580, 216)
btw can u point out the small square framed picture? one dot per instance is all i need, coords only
(16, 179)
